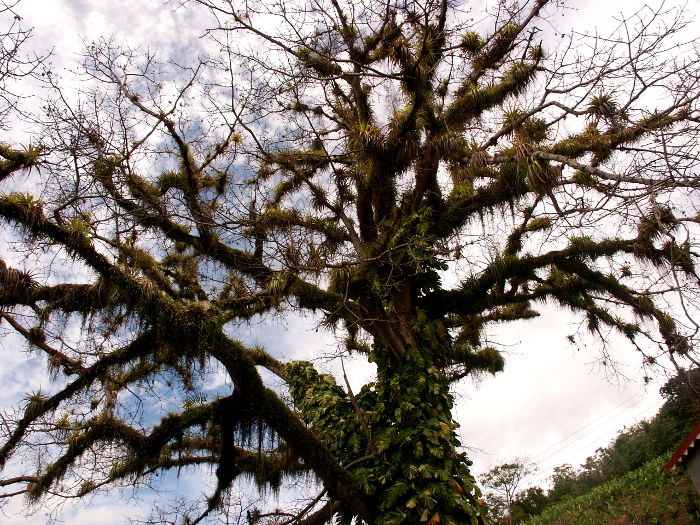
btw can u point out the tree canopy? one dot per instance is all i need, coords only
(410, 173)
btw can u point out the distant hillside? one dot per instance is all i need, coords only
(644, 496)
(632, 449)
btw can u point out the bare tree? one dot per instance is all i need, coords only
(505, 480)
(15, 62)
(340, 158)
(15, 65)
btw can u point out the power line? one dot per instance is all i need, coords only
(615, 430)
(539, 475)
(587, 425)
(588, 428)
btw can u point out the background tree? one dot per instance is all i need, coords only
(529, 503)
(339, 158)
(505, 480)
(682, 405)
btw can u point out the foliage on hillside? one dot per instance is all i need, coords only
(633, 448)
(645, 496)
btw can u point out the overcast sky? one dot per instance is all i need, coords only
(553, 403)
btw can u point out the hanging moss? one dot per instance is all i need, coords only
(322, 65)
(679, 256)
(583, 178)
(16, 284)
(472, 101)
(602, 105)
(582, 246)
(472, 42)
(471, 360)
(659, 220)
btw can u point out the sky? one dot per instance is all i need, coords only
(553, 403)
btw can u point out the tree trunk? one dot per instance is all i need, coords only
(419, 474)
